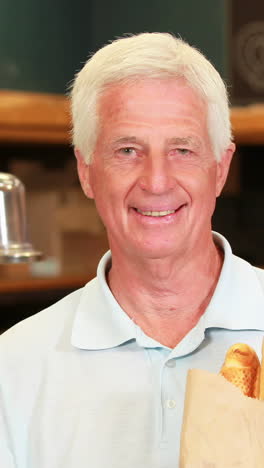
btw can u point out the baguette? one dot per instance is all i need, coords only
(242, 368)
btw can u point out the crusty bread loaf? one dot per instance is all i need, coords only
(242, 368)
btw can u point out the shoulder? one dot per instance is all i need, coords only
(259, 272)
(248, 281)
(47, 328)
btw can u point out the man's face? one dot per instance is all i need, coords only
(153, 175)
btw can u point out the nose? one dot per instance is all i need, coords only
(157, 176)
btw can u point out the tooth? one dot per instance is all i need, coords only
(156, 213)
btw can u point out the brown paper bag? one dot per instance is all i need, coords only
(221, 428)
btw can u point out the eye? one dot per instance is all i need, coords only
(183, 151)
(127, 151)
(178, 152)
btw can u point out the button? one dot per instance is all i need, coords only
(170, 404)
(171, 363)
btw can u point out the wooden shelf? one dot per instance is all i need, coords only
(248, 124)
(45, 118)
(25, 285)
(34, 118)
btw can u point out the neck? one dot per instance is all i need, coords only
(166, 297)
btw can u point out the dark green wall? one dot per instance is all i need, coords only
(200, 22)
(42, 44)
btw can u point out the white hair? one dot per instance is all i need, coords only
(147, 55)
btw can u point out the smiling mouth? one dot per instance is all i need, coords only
(155, 213)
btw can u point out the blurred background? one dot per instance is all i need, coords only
(42, 45)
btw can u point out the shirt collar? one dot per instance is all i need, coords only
(238, 299)
(100, 322)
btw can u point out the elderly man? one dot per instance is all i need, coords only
(98, 379)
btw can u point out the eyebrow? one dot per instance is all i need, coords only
(184, 141)
(171, 141)
(128, 139)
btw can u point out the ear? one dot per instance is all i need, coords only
(84, 174)
(223, 168)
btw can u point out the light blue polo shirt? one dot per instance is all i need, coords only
(82, 386)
